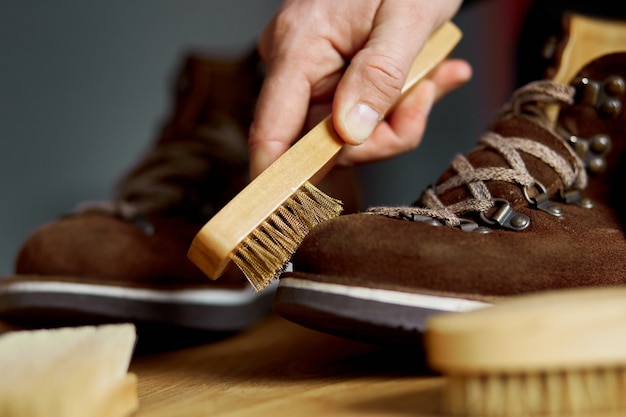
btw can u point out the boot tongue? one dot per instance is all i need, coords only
(514, 160)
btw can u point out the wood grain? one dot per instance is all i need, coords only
(280, 369)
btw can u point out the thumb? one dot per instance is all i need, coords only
(373, 80)
(366, 92)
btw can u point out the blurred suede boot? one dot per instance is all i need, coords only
(125, 259)
(535, 206)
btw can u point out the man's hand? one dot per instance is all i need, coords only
(351, 57)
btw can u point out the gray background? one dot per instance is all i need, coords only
(85, 85)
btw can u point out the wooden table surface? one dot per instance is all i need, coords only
(281, 369)
(278, 368)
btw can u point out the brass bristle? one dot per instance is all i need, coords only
(566, 392)
(263, 255)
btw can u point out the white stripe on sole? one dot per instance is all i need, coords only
(432, 302)
(225, 297)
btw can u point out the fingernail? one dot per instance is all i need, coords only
(361, 122)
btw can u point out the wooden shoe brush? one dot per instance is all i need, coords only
(263, 225)
(555, 353)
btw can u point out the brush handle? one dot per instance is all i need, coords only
(557, 330)
(214, 245)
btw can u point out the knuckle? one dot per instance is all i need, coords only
(284, 23)
(384, 77)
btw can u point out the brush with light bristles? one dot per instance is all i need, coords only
(557, 353)
(261, 228)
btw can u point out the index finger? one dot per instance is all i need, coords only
(279, 117)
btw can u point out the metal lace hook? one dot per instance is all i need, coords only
(506, 217)
(541, 201)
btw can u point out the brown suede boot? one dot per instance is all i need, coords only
(533, 207)
(125, 259)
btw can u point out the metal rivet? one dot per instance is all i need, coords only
(611, 107)
(615, 86)
(600, 144)
(482, 229)
(144, 224)
(520, 221)
(580, 146)
(433, 222)
(596, 165)
(586, 203)
(589, 92)
(554, 209)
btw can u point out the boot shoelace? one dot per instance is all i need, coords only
(170, 172)
(529, 101)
